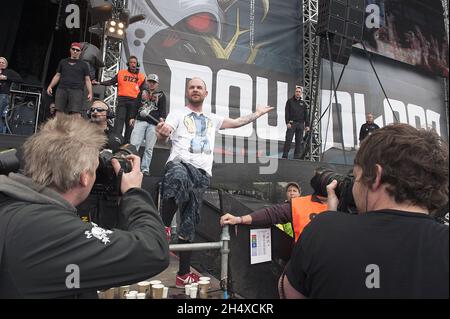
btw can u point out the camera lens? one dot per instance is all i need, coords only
(325, 176)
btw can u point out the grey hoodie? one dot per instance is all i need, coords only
(43, 240)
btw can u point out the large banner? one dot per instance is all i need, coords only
(409, 31)
(416, 98)
(248, 53)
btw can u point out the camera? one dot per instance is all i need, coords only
(325, 176)
(107, 182)
(9, 163)
(147, 108)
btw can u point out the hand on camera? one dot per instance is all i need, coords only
(333, 200)
(132, 179)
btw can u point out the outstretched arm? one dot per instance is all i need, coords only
(244, 120)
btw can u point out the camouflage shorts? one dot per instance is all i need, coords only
(186, 184)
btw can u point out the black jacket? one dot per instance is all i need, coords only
(11, 76)
(41, 236)
(295, 111)
(367, 129)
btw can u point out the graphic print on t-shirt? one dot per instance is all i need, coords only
(201, 126)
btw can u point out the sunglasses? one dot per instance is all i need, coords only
(75, 50)
(98, 109)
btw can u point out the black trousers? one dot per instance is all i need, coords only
(124, 109)
(297, 130)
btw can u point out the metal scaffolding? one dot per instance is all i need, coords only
(445, 80)
(311, 76)
(112, 51)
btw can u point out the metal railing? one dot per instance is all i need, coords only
(222, 245)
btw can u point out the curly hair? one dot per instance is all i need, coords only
(414, 162)
(63, 148)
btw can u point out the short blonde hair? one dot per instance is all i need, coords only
(61, 151)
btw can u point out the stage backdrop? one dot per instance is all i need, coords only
(416, 97)
(410, 31)
(250, 53)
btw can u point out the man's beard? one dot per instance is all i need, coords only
(196, 102)
(97, 119)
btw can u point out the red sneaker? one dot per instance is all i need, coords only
(189, 278)
(168, 233)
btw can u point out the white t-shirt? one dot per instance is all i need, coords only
(193, 137)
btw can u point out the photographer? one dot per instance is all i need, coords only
(102, 204)
(298, 210)
(46, 251)
(392, 248)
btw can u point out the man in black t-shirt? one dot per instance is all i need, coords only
(392, 248)
(72, 75)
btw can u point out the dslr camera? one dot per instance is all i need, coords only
(9, 163)
(107, 181)
(325, 176)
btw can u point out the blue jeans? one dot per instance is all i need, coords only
(4, 101)
(143, 129)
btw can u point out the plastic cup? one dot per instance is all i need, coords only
(130, 296)
(186, 289)
(158, 291)
(165, 292)
(203, 287)
(153, 282)
(144, 287)
(123, 290)
(141, 295)
(193, 292)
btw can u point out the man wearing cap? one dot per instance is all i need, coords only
(72, 75)
(153, 108)
(293, 190)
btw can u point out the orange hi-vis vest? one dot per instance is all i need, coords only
(129, 83)
(303, 211)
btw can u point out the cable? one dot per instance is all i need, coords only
(379, 81)
(339, 112)
(337, 86)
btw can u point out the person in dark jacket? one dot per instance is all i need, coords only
(367, 128)
(296, 117)
(7, 77)
(46, 251)
(148, 116)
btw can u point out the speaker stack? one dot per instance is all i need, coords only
(343, 22)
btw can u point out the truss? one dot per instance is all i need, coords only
(311, 71)
(112, 50)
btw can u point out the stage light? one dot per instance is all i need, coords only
(115, 29)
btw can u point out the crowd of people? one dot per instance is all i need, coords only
(401, 177)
